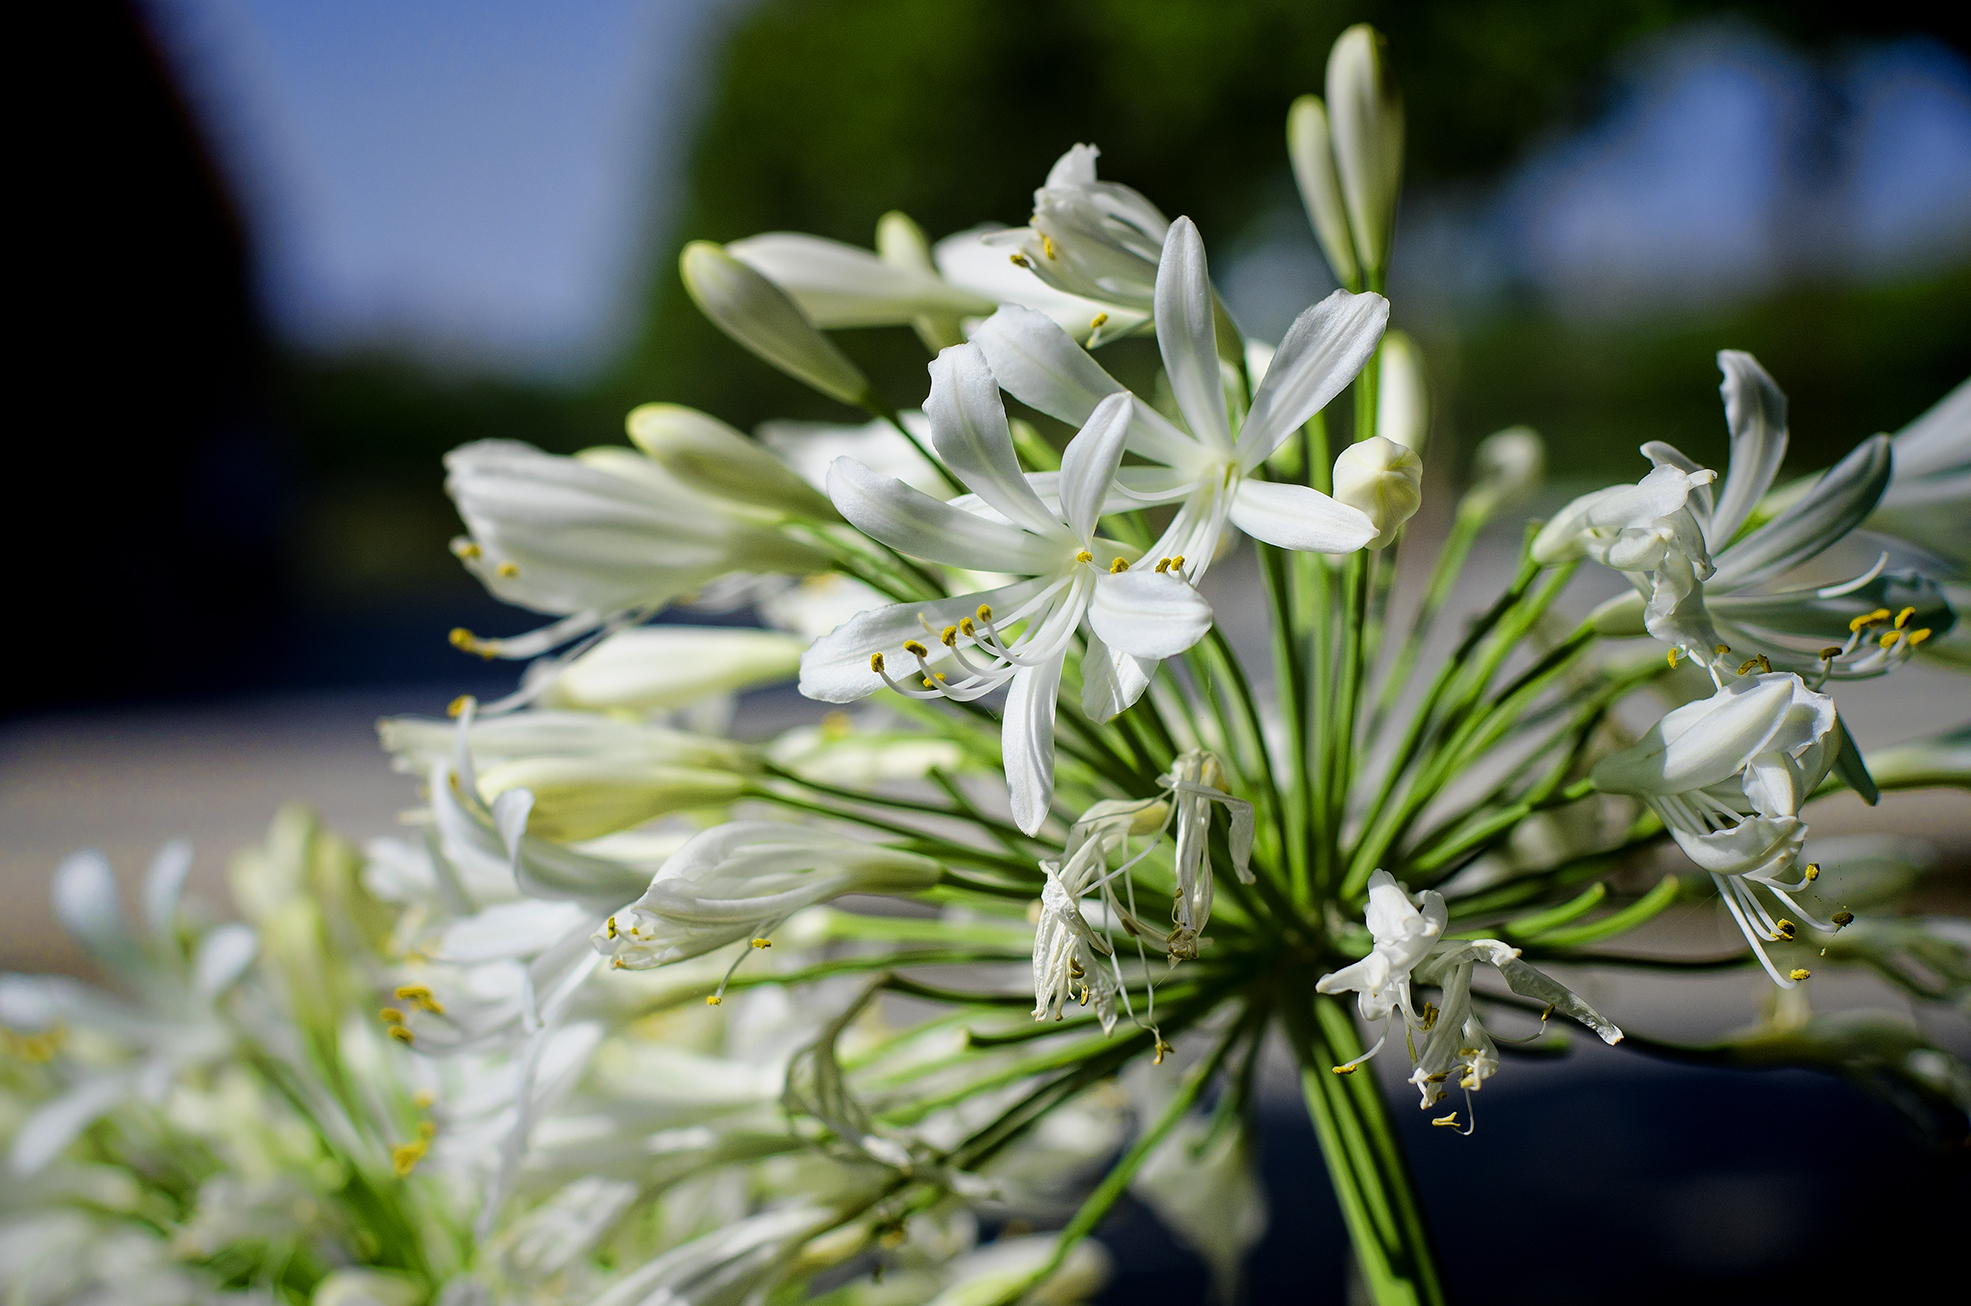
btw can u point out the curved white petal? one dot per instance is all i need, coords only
(1844, 495)
(1026, 738)
(1088, 465)
(1148, 614)
(163, 884)
(835, 669)
(1322, 351)
(1299, 517)
(1187, 337)
(912, 522)
(1755, 411)
(87, 903)
(1040, 365)
(223, 956)
(1111, 681)
(968, 428)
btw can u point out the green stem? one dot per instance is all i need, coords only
(1371, 1176)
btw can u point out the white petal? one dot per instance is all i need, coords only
(839, 285)
(163, 884)
(1844, 495)
(836, 668)
(1148, 614)
(1039, 364)
(1323, 350)
(86, 901)
(1939, 442)
(1187, 337)
(44, 1134)
(968, 428)
(913, 522)
(1088, 465)
(1755, 410)
(1298, 517)
(223, 956)
(1111, 682)
(1668, 455)
(1027, 740)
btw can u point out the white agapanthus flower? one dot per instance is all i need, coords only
(1928, 501)
(1409, 949)
(602, 539)
(167, 1019)
(1728, 775)
(1099, 240)
(1707, 587)
(1068, 954)
(1196, 782)
(1075, 579)
(739, 880)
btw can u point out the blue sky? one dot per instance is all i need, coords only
(481, 182)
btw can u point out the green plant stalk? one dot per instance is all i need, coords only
(1287, 676)
(1443, 576)
(1361, 575)
(1371, 1177)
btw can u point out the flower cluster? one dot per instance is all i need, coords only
(661, 1010)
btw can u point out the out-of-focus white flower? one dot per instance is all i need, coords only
(1505, 467)
(758, 314)
(656, 668)
(1382, 480)
(985, 1276)
(815, 605)
(811, 448)
(839, 753)
(607, 537)
(739, 880)
(1706, 586)
(705, 454)
(416, 742)
(725, 1267)
(1099, 240)
(1201, 1181)
(1074, 577)
(1366, 111)
(1310, 148)
(170, 1020)
(1402, 397)
(1728, 775)
(1928, 501)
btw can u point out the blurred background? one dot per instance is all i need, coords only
(282, 257)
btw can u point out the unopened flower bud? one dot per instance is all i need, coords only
(759, 315)
(650, 668)
(579, 798)
(1366, 111)
(1402, 401)
(706, 454)
(1382, 479)
(901, 243)
(1310, 148)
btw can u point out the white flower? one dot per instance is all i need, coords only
(1710, 588)
(725, 1267)
(1382, 480)
(758, 314)
(1076, 578)
(1928, 501)
(739, 880)
(604, 538)
(1367, 114)
(1201, 1181)
(168, 1022)
(811, 448)
(1196, 782)
(665, 667)
(1099, 240)
(1403, 936)
(1409, 948)
(705, 454)
(1728, 775)
(1505, 467)
(1066, 951)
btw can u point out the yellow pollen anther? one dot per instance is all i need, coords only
(1799, 973)
(1784, 928)
(949, 637)
(984, 612)
(1342, 1070)
(1673, 657)
(467, 549)
(456, 708)
(763, 943)
(401, 1034)
(1902, 618)
(1918, 636)
(1084, 556)
(1813, 872)
(1831, 652)
(404, 1158)
(928, 684)
(1842, 919)
(1162, 1047)
(915, 649)
(423, 1099)
(508, 570)
(1177, 562)
(876, 663)
(1721, 650)
(1163, 565)
(1890, 637)
(1747, 665)
(421, 995)
(617, 963)
(1048, 247)
(461, 638)
(1020, 261)
(611, 926)
(713, 1001)
(1447, 1122)
(1765, 664)
(1095, 323)
(1874, 618)
(1117, 566)
(390, 1016)
(966, 627)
